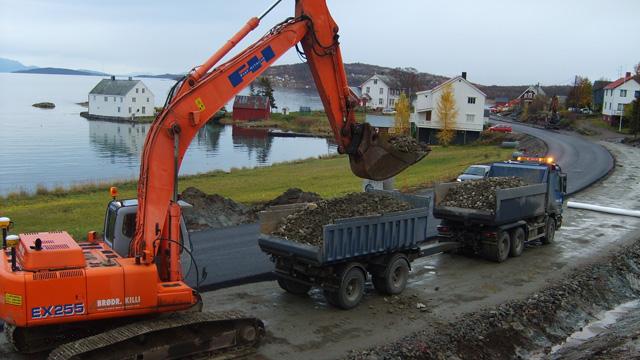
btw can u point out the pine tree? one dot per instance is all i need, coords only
(265, 89)
(403, 112)
(447, 113)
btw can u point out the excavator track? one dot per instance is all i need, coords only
(224, 335)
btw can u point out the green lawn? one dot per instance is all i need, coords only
(82, 209)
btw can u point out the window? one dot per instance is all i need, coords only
(620, 107)
(428, 116)
(471, 100)
(623, 93)
(147, 99)
(143, 110)
(380, 101)
(381, 91)
(118, 108)
(94, 97)
(143, 90)
(375, 81)
(137, 90)
(471, 117)
(367, 90)
(609, 106)
(637, 94)
(129, 225)
(129, 109)
(121, 98)
(105, 99)
(133, 99)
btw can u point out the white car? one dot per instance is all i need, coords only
(474, 172)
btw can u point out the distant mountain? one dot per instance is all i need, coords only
(61, 71)
(162, 76)
(8, 65)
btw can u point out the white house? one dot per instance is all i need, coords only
(470, 105)
(113, 98)
(617, 95)
(381, 91)
(531, 92)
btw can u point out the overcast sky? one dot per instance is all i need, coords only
(503, 42)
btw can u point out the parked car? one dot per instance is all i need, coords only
(501, 128)
(474, 172)
(586, 111)
(388, 112)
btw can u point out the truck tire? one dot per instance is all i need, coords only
(351, 289)
(293, 287)
(550, 235)
(517, 242)
(395, 276)
(500, 251)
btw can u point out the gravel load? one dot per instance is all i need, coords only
(407, 144)
(212, 211)
(479, 194)
(294, 196)
(306, 226)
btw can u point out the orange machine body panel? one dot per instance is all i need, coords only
(105, 285)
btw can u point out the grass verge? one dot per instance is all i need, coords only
(82, 209)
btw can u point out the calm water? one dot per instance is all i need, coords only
(58, 147)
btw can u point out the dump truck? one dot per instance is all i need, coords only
(380, 246)
(522, 214)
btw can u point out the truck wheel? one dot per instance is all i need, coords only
(517, 242)
(293, 287)
(500, 251)
(395, 276)
(549, 238)
(351, 289)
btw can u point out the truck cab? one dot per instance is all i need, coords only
(120, 226)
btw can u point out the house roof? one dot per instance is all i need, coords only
(251, 102)
(537, 89)
(356, 90)
(622, 80)
(453, 80)
(114, 87)
(389, 80)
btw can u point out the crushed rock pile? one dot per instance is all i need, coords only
(306, 226)
(407, 144)
(479, 194)
(294, 196)
(212, 211)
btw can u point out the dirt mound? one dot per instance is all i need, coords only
(306, 226)
(479, 194)
(294, 196)
(407, 144)
(213, 211)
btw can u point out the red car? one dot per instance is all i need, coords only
(501, 128)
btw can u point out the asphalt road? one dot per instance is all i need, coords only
(231, 256)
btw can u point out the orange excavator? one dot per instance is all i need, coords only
(84, 300)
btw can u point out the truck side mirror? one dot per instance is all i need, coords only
(563, 183)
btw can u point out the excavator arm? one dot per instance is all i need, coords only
(207, 88)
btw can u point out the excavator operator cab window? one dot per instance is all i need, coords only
(110, 222)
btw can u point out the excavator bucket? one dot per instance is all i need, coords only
(376, 158)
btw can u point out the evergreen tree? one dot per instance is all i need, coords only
(265, 89)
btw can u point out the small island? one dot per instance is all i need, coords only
(44, 105)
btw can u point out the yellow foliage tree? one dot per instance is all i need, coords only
(403, 112)
(447, 111)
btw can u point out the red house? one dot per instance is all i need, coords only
(251, 108)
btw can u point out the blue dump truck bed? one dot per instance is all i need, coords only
(359, 237)
(511, 205)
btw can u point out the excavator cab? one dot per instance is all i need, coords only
(120, 226)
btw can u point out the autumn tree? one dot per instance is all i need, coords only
(447, 113)
(637, 69)
(265, 89)
(634, 118)
(581, 94)
(403, 112)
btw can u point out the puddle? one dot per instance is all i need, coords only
(604, 320)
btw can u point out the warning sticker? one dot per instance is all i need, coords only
(12, 299)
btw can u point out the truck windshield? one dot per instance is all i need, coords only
(530, 174)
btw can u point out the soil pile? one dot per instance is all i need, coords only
(306, 226)
(213, 211)
(44, 105)
(479, 194)
(407, 144)
(294, 196)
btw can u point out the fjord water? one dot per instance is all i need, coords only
(58, 147)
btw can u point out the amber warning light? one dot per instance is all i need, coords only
(548, 160)
(114, 192)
